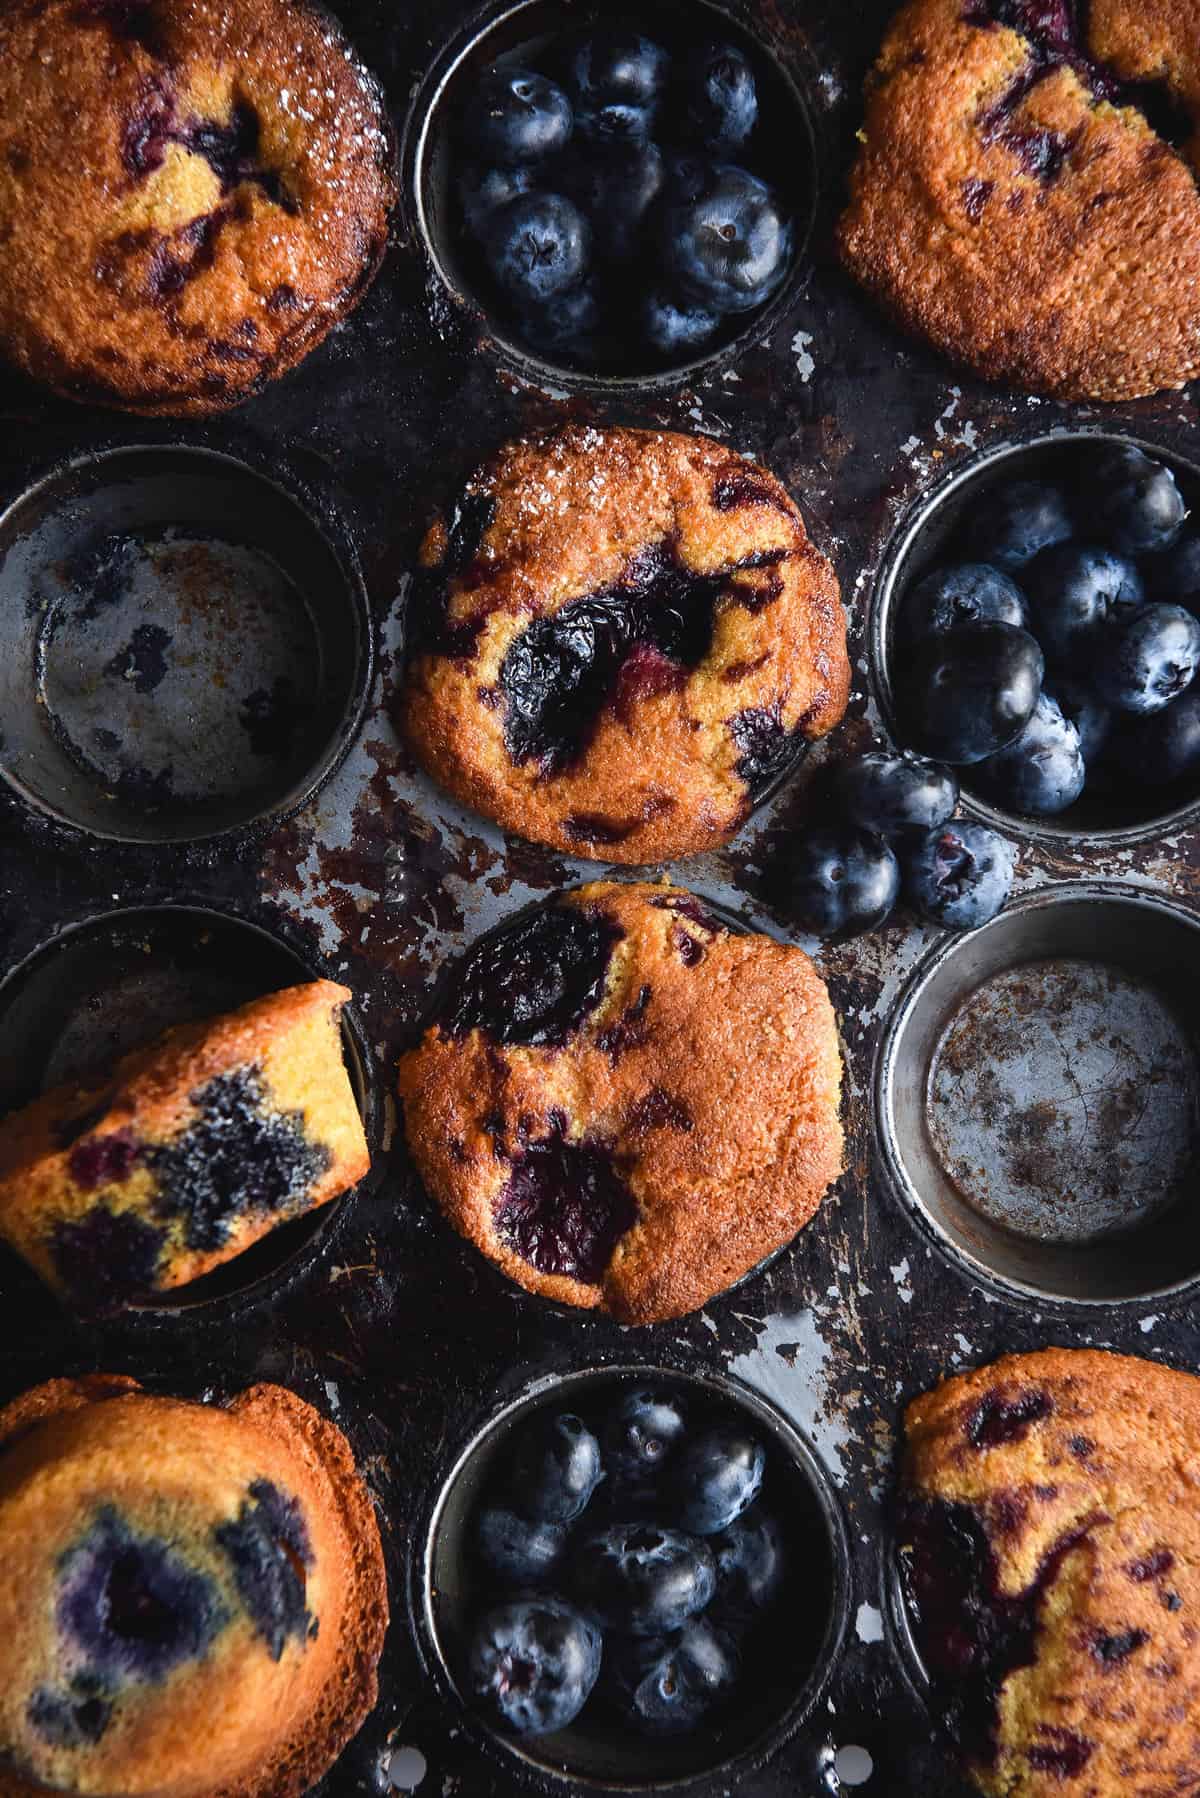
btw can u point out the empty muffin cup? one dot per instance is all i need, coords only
(1037, 1096)
(785, 155)
(788, 1675)
(184, 649)
(931, 535)
(111, 984)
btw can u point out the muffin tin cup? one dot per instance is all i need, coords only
(107, 984)
(185, 651)
(439, 1595)
(1037, 1096)
(1102, 820)
(425, 156)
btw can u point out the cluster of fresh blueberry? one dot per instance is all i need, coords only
(629, 1567)
(603, 201)
(1062, 648)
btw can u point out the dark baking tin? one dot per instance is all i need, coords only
(396, 1328)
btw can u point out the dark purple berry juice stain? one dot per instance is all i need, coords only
(269, 1549)
(230, 149)
(535, 983)
(767, 750)
(997, 1420)
(103, 1160)
(106, 1258)
(564, 1207)
(75, 1716)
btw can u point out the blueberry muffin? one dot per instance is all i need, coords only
(619, 639)
(194, 1599)
(624, 1104)
(188, 1152)
(192, 194)
(1050, 1543)
(1025, 195)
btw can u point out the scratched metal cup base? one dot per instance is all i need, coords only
(785, 153)
(112, 984)
(1106, 814)
(784, 1681)
(1038, 1095)
(183, 651)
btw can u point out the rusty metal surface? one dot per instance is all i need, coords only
(395, 1327)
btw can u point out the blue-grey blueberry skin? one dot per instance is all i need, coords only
(1075, 591)
(536, 247)
(516, 1550)
(892, 794)
(533, 1663)
(1011, 526)
(1174, 577)
(1148, 660)
(721, 96)
(967, 693)
(642, 1438)
(964, 593)
(483, 190)
(517, 116)
(667, 1685)
(720, 1476)
(751, 1559)
(674, 327)
(840, 882)
(959, 876)
(1043, 771)
(644, 1578)
(1163, 748)
(1134, 499)
(556, 1469)
(1093, 720)
(617, 65)
(616, 186)
(730, 246)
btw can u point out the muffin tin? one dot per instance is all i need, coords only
(383, 1317)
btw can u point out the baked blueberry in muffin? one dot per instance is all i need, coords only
(194, 1599)
(624, 1104)
(619, 639)
(1025, 195)
(1050, 1545)
(192, 194)
(187, 1153)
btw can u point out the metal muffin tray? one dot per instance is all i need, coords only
(942, 1245)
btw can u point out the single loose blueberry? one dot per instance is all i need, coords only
(730, 247)
(674, 327)
(616, 186)
(1147, 660)
(616, 64)
(536, 246)
(721, 104)
(964, 593)
(720, 1476)
(667, 1685)
(642, 1437)
(609, 127)
(1043, 771)
(892, 794)
(969, 692)
(1164, 747)
(751, 1557)
(517, 116)
(556, 1469)
(959, 876)
(1075, 590)
(568, 323)
(1174, 577)
(1092, 719)
(1136, 498)
(515, 1549)
(1018, 522)
(482, 191)
(643, 1578)
(533, 1663)
(838, 881)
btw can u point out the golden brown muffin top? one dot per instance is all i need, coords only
(619, 638)
(1025, 195)
(625, 1104)
(1050, 1528)
(191, 194)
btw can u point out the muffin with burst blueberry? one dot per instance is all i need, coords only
(194, 1599)
(616, 194)
(186, 1152)
(624, 1104)
(191, 195)
(1049, 1545)
(619, 640)
(1025, 194)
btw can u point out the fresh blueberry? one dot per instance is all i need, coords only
(666, 1685)
(516, 1550)
(750, 1562)
(1137, 500)
(534, 1662)
(687, 176)
(892, 794)
(482, 191)
(518, 116)
(959, 876)
(1018, 522)
(1164, 747)
(841, 881)
(642, 1437)
(722, 101)
(1074, 591)
(966, 593)
(1175, 576)
(1043, 771)
(568, 322)
(556, 1470)
(644, 1579)
(616, 186)
(970, 691)
(609, 127)
(1147, 660)
(1091, 718)
(729, 248)
(614, 64)
(536, 246)
(674, 328)
(720, 1476)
